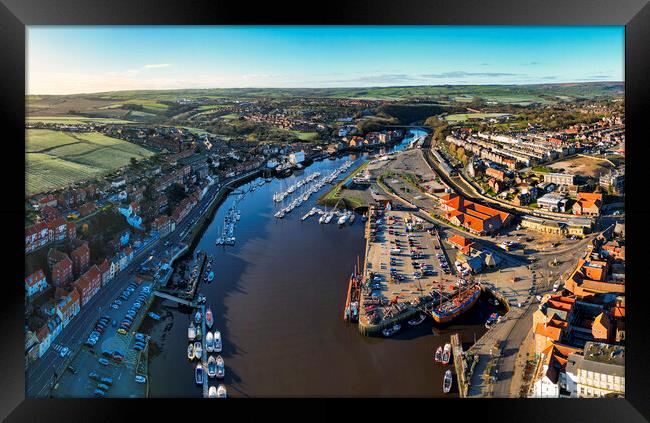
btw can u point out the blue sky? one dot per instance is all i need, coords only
(65, 60)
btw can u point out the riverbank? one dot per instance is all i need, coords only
(338, 194)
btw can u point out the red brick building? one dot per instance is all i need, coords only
(60, 268)
(80, 259)
(88, 284)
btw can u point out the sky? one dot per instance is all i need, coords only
(78, 59)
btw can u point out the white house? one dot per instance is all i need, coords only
(35, 283)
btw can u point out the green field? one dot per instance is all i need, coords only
(230, 116)
(462, 117)
(305, 136)
(73, 120)
(151, 105)
(54, 159)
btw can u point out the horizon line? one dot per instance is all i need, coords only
(334, 87)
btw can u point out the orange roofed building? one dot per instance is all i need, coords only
(476, 218)
(591, 277)
(588, 203)
(463, 244)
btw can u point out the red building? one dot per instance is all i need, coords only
(88, 284)
(60, 268)
(80, 259)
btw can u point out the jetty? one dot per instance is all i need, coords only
(459, 364)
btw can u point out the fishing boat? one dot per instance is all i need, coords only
(198, 350)
(212, 367)
(198, 374)
(190, 351)
(446, 354)
(212, 392)
(208, 317)
(221, 391)
(388, 332)
(209, 342)
(197, 317)
(438, 355)
(446, 383)
(210, 276)
(191, 332)
(458, 304)
(418, 320)
(221, 368)
(216, 341)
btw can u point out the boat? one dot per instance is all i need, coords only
(342, 219)
(418, 320)
(458, 304)
(493, 301)
(221, 391)
(191, 332)
(208, 318)
(209, 342)
(438, 355)
(388, 332)
(446, 354)
(216, 341)
(351, 218)
(199, 334)
(328, 217)
(198, 374)
(446, 383)
(351, 311)
(212, 367)
(221, 368)
(212, 392)
(190, 351)
(197, 317)
(198, 350)
(210, 276)
(322, 218)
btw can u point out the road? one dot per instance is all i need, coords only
(39, 376)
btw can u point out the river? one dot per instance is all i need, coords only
(277, 299)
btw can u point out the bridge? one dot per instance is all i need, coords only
(170, 297)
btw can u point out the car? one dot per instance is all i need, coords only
(140, 379)
(72, 369)
(103, 387)
(64, 351)
(115, 306)
(107, 381)
(99, 393)
(103, 361)
(93, 375)
(121, 331)
(139, 336)
(138, 347)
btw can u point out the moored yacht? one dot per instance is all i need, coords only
(190, 351)
(212, 392)
(446, 353)
(209, 342)
(221, 391)
(208, 317)
(446, 383)
(198, 350)
(221, 367)
(197, 317)
(198, 374)
(212, 367)
(216, 340)
(191, 332)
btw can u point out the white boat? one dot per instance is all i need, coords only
(446, 353)
(208, 317)
(191, 332)
(190, 351)
(198, 374)
(212, 392)
(416, 321)
(221, 367)
(342, 219)
(212, 367)
(209, 342)
(216, 340)
(351, 218)
(322, 218)
(388, 332)
(198, 350)
(446, 383)
(221, 391)
(328, 217)
(210, 276)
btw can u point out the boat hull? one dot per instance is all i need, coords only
(448, 317)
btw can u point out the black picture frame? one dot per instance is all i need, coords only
(634, 14)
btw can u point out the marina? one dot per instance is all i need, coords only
(249, 307)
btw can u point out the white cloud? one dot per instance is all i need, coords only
(157, 65)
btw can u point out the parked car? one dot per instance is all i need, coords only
(107, 381)
(99, 393)
(93, 375)
(121, 331)
(64, 351)
(140, 379)
(103, 361)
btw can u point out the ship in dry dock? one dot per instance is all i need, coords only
(448, 310)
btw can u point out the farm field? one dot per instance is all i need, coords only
(54, 159)
(462, 117)
(73, 120)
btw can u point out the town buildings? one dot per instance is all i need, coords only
(476, 218)
(35, 283)
(559, 178)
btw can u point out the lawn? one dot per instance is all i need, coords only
(73, 120)
(54, 159)
(305, 136)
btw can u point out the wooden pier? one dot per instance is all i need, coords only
(204, 353)
(459, 364)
